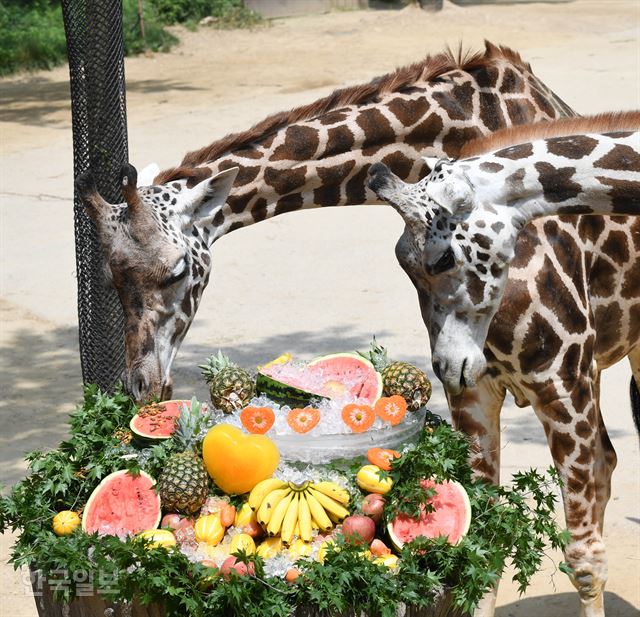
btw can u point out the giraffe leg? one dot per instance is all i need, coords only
(476, 412)
(605, 460)
(577, 450)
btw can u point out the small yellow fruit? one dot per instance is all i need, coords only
(283, 359)
(244, 516)
(242, 542)
(65, 522)
(299, 548)
(209, 529)
(368, 479)
(391, 561)
(158, 537)
(270, 547)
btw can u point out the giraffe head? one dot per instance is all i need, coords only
(456, 250)
(156, 248)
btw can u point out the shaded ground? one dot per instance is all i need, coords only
(310, 282)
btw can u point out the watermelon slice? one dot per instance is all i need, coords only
(158, 420)
(350, 372)
(122, 504)
(450, 517)
(338, 376)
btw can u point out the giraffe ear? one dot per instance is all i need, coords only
(453, 194)
(209, 195)
(147, 174)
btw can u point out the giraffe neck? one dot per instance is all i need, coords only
(323, 161)
(580, 174)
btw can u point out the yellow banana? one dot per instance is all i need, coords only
(296, 529)
(318, 513)
(275, 521)
(269, 504)
(290, 518)
(330, 505)
(304, 520)
(331, 489)
(261, 490)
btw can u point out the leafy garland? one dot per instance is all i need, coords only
(509, 524)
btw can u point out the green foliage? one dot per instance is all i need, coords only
(31, 37)
(509, 524)
(32, 31)
(227, 13)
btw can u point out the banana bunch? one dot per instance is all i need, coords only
(295, 510)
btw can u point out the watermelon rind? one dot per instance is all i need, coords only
(280, 391)
(398, 543)
(143, 436)
(360, 360)
(142, 523)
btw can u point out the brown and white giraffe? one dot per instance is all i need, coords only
(312, 156)
(459, 248)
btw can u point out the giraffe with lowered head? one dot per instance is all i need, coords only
(486, 308)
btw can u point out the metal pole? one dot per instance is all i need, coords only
(95, 48)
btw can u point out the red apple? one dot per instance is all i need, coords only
(186, 523)
(231, 563)
(373, 506)
(359, 529)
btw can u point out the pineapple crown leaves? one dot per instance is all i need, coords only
(214, 364)
(189, 426)
(377, 355)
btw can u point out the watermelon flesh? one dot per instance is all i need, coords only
(122, 505)
(343, 377)
(450, 517)
(159, 425)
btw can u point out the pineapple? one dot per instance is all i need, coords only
(183, 484)
(400, 378)
(230, 386)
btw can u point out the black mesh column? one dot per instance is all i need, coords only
(96, 65)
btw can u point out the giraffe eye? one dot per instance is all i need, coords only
(446, 262)
(178, 273)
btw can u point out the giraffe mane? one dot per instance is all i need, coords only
(430, 68)
(511, 136)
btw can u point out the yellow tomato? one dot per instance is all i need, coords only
(391, 561)
(65, 522)
(368, 479)
(237, 462)
(299, 548)
(209, 529)
(244, 516)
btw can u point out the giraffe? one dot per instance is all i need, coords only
(317, 155)
(459, 249)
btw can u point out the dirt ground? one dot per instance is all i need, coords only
(311, 282)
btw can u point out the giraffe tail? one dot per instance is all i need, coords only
(635, 403)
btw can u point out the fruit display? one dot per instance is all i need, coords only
(122, 504)
(230, 387)
(401, 378)
(214, 514)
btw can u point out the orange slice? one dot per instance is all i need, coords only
(391, 409)
(358, 418)
(303, 420)
(382, 457)
(257, 420)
